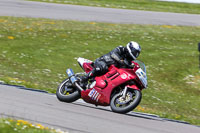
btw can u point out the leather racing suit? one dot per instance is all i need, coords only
(118, 57)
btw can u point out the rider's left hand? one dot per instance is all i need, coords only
(129, 65)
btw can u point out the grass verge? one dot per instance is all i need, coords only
(21, 126)
(146, 5)
(36, 53)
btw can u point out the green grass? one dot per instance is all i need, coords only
(147, 5)
(36, 53)
(21, 126)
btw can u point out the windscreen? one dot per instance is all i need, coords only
(141, 64)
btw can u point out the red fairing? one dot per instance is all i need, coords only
(105, 84)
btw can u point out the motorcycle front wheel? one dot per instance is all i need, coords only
(66, 92)
(122, 105)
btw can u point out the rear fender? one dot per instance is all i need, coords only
(134, 87)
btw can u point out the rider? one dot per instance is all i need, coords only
(120, 57)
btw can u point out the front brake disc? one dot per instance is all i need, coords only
(125, 100)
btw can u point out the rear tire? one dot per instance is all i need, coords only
(70, 95)
(127, 107)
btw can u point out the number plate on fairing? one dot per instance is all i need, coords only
(142, 76)
(94, 95)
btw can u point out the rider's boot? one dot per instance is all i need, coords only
(83, 81)
(88, 76)
(84, 78)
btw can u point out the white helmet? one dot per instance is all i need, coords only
(133, 49)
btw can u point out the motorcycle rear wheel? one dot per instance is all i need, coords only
(67, 93)
(129, 105)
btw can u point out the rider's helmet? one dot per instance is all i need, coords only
(133, 49)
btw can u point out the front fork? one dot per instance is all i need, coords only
(124, 92)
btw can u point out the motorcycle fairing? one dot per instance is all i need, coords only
(99, 94)
(102, 83)
(142, 76)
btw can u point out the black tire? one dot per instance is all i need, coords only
(71, 97)
(137, 96)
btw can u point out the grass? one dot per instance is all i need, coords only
(21, 126)
(146, 5)
(36, 53)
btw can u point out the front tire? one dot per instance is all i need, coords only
(66, 92)
(131, 101)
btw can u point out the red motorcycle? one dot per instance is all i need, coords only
(119, 88)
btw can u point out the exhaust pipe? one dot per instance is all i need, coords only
(73, 79)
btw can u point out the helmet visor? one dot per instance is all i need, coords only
(134, 51)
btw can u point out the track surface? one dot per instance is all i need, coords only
(78, 117)
(22, 8)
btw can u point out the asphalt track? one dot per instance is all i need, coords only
(79, 117)
(20, 8)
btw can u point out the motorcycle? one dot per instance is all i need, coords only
(119, 88)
